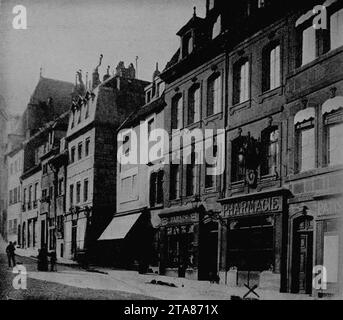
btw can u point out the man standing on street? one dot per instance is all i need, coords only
(10, 250)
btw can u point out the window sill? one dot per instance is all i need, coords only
(240, 106)
(318, 60)
(270, 93)
(313, 172)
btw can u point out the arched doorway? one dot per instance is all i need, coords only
(302, 262)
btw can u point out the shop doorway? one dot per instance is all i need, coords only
(302, 255)
(208, 267)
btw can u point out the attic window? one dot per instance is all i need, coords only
(216, 30)
(187, 45)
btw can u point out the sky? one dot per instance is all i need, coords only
(63, 36)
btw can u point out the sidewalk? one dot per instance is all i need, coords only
(33, 253)
(133, 282)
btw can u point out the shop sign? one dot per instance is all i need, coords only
(255, 206)
(180, 219)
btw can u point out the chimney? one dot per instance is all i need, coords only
(107, 75)
(95, 75)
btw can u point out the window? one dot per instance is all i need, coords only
(87, 145)
(45, 168)
(241, 82)
(79, 151)
(191, 173)
(152, 192)
(174, 181)
(30, 195)
(308, 45)
(85, 190)
(72, 155)
(270, 151)
(60, 186)
(51, 192)
(72, 119)
(336, 29)
(148, 96)
(334, 144)
(176, 112)
(87, 109)
(150, 127)
(194, 104)
(159, 191)
(187, 45)
(78, 192)
(79, 115)
(44, 194)
(11, 199)
(271, 68)
(212, 152)
(214, 95)
(210, 4)
(217, 28)
(305, 146)
(71, 194)
(36, 192)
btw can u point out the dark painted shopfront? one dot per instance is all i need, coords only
(256, 239)
(188, 244)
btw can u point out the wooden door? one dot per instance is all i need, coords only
(305, 262)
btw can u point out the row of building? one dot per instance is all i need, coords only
(269, 85)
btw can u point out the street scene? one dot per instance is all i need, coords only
(171, 150)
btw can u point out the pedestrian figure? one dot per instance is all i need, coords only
(10, 250)
(53, 259)
(42, 263)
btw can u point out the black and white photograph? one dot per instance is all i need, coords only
(188, 151)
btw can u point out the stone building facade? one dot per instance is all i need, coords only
(91, 172)
(130, 237)
(278, 219)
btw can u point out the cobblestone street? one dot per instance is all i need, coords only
(44, 290)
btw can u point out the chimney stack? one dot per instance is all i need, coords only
(96, 77)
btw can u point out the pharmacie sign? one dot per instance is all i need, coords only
(253, 206)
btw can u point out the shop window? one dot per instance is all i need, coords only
(174, 181)
(217, 28)
(179, 247)
(194, 104)
(271, 68)
(241, 80)
(270, 151)
(214, 95)
(336, 29)
(176, 118)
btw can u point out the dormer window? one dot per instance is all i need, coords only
(148, 96)
(217, 28)
(210, 4)
(187, 45)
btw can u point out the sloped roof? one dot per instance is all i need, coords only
(144, 111)
(60, 91)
